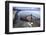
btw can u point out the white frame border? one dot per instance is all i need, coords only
(11, 29)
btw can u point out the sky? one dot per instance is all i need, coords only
(28, 11)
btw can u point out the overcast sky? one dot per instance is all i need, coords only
(28, 10)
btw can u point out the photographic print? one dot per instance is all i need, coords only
(24, 17)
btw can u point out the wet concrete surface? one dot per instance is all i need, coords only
(20, 24)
